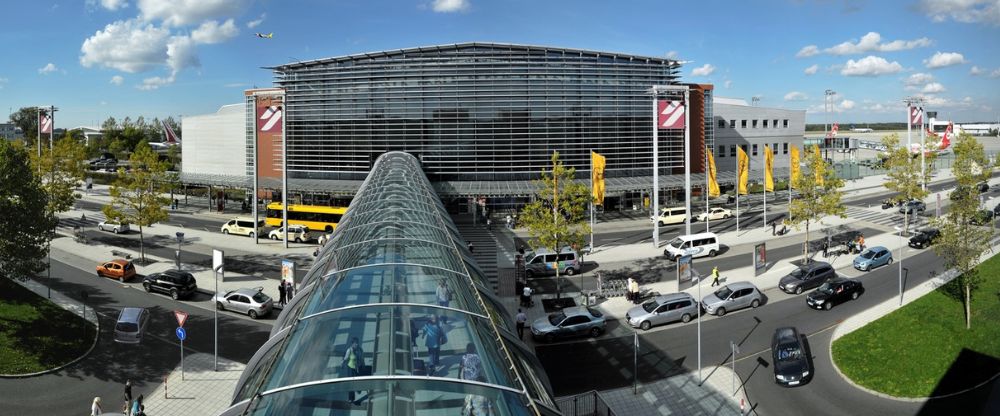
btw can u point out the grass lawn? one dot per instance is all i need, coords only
(914, 351)
(37, 335)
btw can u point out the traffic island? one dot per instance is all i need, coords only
(38, 335)
(923, 349)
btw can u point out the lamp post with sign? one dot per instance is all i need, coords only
(218, 266)
(181, 335)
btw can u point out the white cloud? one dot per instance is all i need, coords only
(876, 108)
(128, 46)
(672, 55)
(728, 83)
(796, 96)
(212, 32)
(3, 81)
(811, 70)
(181, 54)
(943, 59)
(448, 6)
(872, 42)
(975, 70)
(254, 23)
(845, 105)
(188, 12)
(964, 11)
(235, 85)
(114, 4)
(703, 71)
(934, 87)
(117, 80)
(995, 73)
(870, 66)
(918, 79)
(47, 69)
(153, 83)
(807, 51)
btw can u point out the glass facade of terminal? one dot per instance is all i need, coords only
(379, 283)
(477, 111)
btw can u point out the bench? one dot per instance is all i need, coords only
(118, 253)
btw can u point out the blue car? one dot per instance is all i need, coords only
(872, 258)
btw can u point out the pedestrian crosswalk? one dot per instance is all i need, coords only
(88, 219)
(888, 218)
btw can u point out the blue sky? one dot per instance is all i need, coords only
(99, 58)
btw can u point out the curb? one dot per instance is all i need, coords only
(97, 336)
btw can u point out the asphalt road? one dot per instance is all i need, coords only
(103, 372)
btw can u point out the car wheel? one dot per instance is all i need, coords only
(594, 332)
(99, 274)
(711, 253)
(253, 314)
(121, 278)
(147, 287)
(173, 294)
(645, 325)
(755, 303)
(298, 240)
(662, 224)
(226, 232)
(250, 235)
(686, 318)
(854, 296)
(725, 217)
(890, 261)
(828, 305)
(117, 230)
(218, 305)
(798, 290)
(99, 227)
(274, 237)
(570, 271)
(720, 312)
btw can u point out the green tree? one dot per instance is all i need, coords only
(27, 119)
(903, 174)
(25, 222)
(961, 244)
(137, 196)
(819, 196)
(556, 218)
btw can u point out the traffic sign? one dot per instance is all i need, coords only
(181, 333)
(181, 317)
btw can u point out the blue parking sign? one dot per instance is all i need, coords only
(181, 333)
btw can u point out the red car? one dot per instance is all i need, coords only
(116, 269)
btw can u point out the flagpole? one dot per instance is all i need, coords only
(256, 185)
(707, 185)
(592, 200)
(687, 159)
(656, 174)
(909, 124)
(52, 122)
(737, 204)
(284, 169)
(923, 150)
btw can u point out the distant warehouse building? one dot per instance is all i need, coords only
(752, 128)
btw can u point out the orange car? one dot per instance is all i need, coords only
(117, 269)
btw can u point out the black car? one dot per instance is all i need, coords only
(791, 358)
(924, 238)
(996, 211)
(176, 283)
(982, 217)
(835, 291)
(983, 187)
(806, 277)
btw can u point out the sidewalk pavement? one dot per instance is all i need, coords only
(200, 390)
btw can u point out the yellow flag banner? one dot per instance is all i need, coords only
(742, 170)
(768, 167)
(713, 183)
(794, 166)
(819, 176)
(597, 163)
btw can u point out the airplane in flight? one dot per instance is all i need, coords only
(265, 35)
(171, 138)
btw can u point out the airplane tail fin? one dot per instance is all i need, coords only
(169, 133)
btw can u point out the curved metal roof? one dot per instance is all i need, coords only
(395, 272)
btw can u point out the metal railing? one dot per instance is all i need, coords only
(585, 404)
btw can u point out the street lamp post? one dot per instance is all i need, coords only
(180, 239)
(827, 108)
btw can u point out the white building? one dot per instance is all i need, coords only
(215, 144)
(753, 128)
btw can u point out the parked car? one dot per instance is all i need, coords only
(572, 321)
(791, 359)
(924, 238)
(983, 187)
(982, 217)
(176, 283)
(736, 295)
(242, 226)
(873, 257)
(913, 207)
(806, 277)
(296, 233)
(122, 270)
(252, 302)
(996, 211)
(544, 262)
(130, 325)
(715, 214)
(835, 292)
(663, 309)
(115, 227)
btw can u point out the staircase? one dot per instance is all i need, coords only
(484, 245)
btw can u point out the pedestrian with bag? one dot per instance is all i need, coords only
(471, 366)
(137, 405)
(354, 360)
(128, 396)
(443, 298)
(434, 337)
(95, 407)
(635, 291)
(628, 290)
(715, 276)
(521, 319)
(281, 293)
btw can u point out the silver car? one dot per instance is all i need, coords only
(736, 295)
(130, 325)
(572, 321)
(663, 309)
(252, 302)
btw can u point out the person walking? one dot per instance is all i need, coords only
(861, 242)
(635, 291)
(434, 336)
(470, 247)
(471, 366)
(510, 222)
(289, 290)
(826, 247)
(281, 293)
(521, 319)
(526, 296)
(354, 360)
(774, 227)
(715, 276)
(628, 290)
(128, 396)
(443, 298)
(137, 405)
(95, 407)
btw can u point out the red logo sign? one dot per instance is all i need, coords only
(45, 123)
(181, 317)
(670, 114)
(916, 115)
(270, 116)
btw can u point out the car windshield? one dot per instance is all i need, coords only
(676, 243)
(556, 318)
(868, 254)
(650, 306)
(789, 352)
(826, 288)
(260, 298)
(798, 274)
(723, 293)
(126, 327)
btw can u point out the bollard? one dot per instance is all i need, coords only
(164, 387)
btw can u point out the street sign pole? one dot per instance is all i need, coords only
(635, 362)
(218, 267)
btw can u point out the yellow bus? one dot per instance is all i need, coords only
(315, 217)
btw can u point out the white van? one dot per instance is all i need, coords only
(241, 226)
(543, 262)
(675, 215)
(698, 245)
